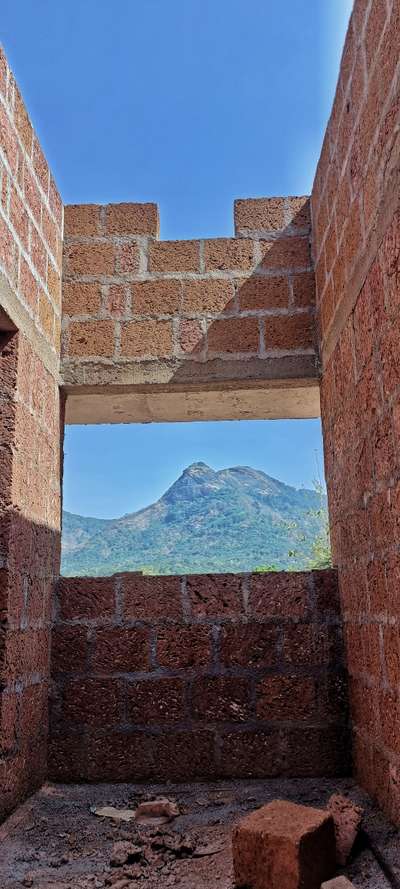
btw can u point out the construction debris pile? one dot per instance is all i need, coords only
(291, 834)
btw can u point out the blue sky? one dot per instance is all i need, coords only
(189, 103)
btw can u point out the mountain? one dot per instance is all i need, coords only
(230, 520)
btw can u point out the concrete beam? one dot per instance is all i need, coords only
(291, 400)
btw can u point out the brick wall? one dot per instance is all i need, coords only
(139, 311)
(30, 226)
(30, 295)
(356, 243)
(198, 676)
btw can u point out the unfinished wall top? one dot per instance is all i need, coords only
(31, 219)
(188, 329)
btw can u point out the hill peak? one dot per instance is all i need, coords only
(197, 468)
(229, 519)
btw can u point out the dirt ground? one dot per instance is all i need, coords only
(54, 841)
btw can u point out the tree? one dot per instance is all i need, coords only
(320, 556)
(308, 557)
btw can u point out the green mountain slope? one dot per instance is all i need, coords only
(231, 520)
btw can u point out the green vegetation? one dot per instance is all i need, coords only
(318, 555)
(262, 569)
(230, 520)
(310, 554)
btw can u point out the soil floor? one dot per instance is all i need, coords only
(55, 841)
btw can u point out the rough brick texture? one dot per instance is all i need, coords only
(130, 299)
(30, 288)
(29, 542)
(356, 245)
(284, 846)
(178, 678)
(30, 224)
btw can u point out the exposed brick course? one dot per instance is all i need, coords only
(184, 647)
(251, 644)
(80, 599)
(96, 259)
(174, 256)
(133, 219)
(207, 295)
(95, 702)
(151, 598)
(234, 336)
(81, 299)
(144, 338)
(120, 650)
(157, 297)
(215, 595)
(180, 300)
(259, 214)
(166, 662)
(156, 701)
(264, 293)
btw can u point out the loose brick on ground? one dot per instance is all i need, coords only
(284, 846)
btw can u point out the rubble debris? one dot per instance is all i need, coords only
(347, 818)
(338, 883)
(124, 852)
(179, 846)
(124, 883)
(158, 811)
(284, 846)
(123, 876)
(210, 849)
(186, 853)
(112, 812)
(221, 799)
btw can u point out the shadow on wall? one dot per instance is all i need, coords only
(269, 314)
(29, 555)
(150, 320)
(205, 676)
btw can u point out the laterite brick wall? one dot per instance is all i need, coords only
(198, 676)
(135, 308)
(356, 244)
(30, 322)
(30, 225)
